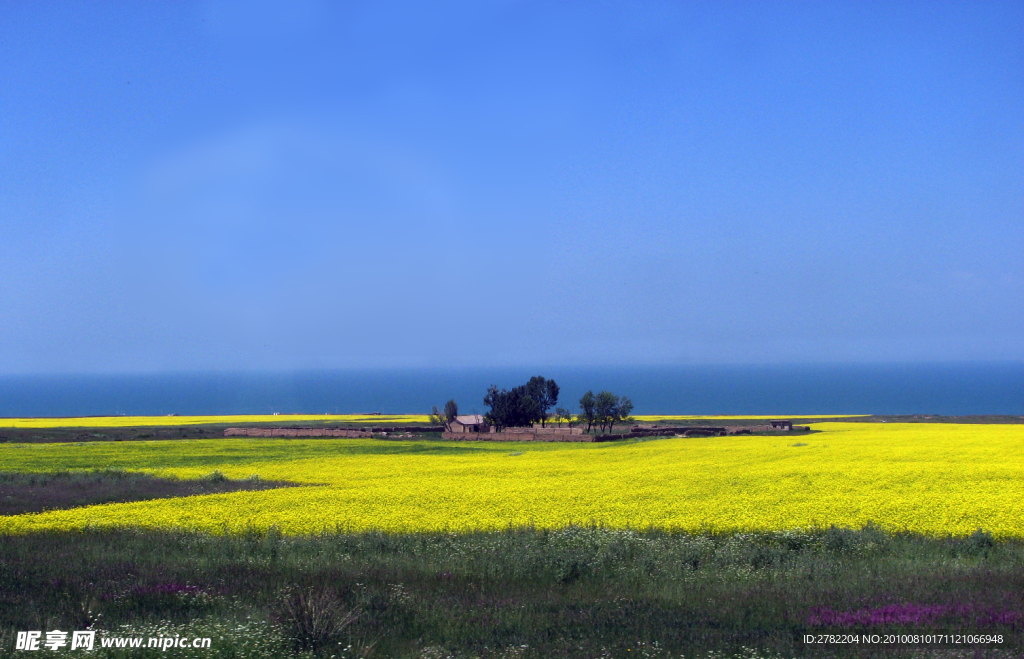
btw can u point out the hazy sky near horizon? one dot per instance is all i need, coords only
(240, 185)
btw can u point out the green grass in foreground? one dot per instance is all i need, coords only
(22, 493)
(578, 592)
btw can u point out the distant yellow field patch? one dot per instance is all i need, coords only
(127, 421)
(928, 478)
(383, 419)
(684, 417)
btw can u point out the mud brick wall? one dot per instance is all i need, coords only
(295, 432)
(518, 437)
(549, 430)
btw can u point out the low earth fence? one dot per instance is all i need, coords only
(550, 430)
(687, 431)
(509, 434)
(521, 435)
(326, 432)
(578, 434)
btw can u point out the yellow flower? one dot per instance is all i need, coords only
(928, 478)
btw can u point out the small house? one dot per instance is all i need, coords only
(780, 424)
(470, 423)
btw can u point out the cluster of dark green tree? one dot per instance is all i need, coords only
(603, 410)
(521, 406)
(529, 403)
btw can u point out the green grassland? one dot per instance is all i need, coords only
(576, 592)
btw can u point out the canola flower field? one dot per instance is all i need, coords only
(726, 417)
(935, 479)
(375, 419)
(130, 421)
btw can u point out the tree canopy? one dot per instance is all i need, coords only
(521, 406)
(587, 414)
(604, 410)
(545, 393)
(445, 417)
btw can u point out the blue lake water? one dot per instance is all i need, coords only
(947, 389)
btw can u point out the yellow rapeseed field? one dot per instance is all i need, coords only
(685, 417)
(129, 421)
(376, 419)
(929, 478)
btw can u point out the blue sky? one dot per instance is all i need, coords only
(238, 185)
